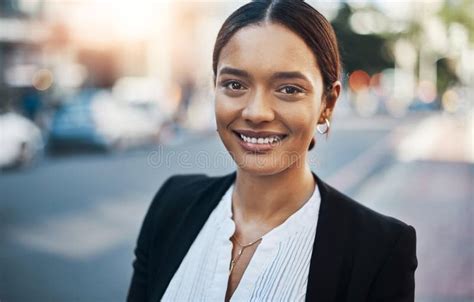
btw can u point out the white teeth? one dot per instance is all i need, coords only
(260, 140)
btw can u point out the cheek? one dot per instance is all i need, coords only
(301, 119)
(226, 109)
(222, 111)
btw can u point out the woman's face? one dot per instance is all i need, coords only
(268, 98)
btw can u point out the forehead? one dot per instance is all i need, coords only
(268, 48)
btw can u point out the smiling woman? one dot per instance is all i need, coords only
(268, 79)
(271, 230)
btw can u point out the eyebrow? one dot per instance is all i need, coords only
(235, 72)
(289, 75)
(275, 76)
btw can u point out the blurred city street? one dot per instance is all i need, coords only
(100, 102)
(68, 225)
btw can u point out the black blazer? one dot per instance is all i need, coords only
(358, 254)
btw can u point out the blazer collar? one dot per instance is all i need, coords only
(202, 203)
(332, 234)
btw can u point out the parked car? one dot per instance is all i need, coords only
(20, 140)
(95, 120)
(73, 126)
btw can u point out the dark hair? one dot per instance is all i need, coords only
(299, 17)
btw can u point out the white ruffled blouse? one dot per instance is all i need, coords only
(278, 270)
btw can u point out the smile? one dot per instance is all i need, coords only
(259, 142)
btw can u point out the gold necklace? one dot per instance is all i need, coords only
(236, 258)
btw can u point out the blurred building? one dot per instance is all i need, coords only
(398, 59)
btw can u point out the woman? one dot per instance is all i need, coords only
(272, 230)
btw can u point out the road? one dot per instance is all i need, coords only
(68, 225)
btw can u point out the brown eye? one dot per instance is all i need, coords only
(233, 85)
(291, 90)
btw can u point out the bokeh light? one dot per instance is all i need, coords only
(42, 79)
(426, 91)
(450, 100)
(359, 80)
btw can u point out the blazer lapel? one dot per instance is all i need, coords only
(326, 266)
(194, 217)
(331, 242)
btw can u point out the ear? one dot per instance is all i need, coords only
(329, 101)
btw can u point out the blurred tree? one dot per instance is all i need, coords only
(366, 52)
(460, 11)
(445, 68)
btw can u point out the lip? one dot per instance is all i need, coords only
(258, 148)
(257, 134)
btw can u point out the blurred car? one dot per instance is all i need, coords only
(20, 140)
(419, 105)
(95, 120)
(73, 126)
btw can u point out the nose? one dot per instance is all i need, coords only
(258, 109)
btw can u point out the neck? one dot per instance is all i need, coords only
(270, 199)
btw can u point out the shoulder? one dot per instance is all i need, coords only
(179, 191)
(382, 250)
(180, 186)
(363, 217)
(372, 233)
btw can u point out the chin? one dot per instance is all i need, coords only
(261, 164)
(259, 171)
